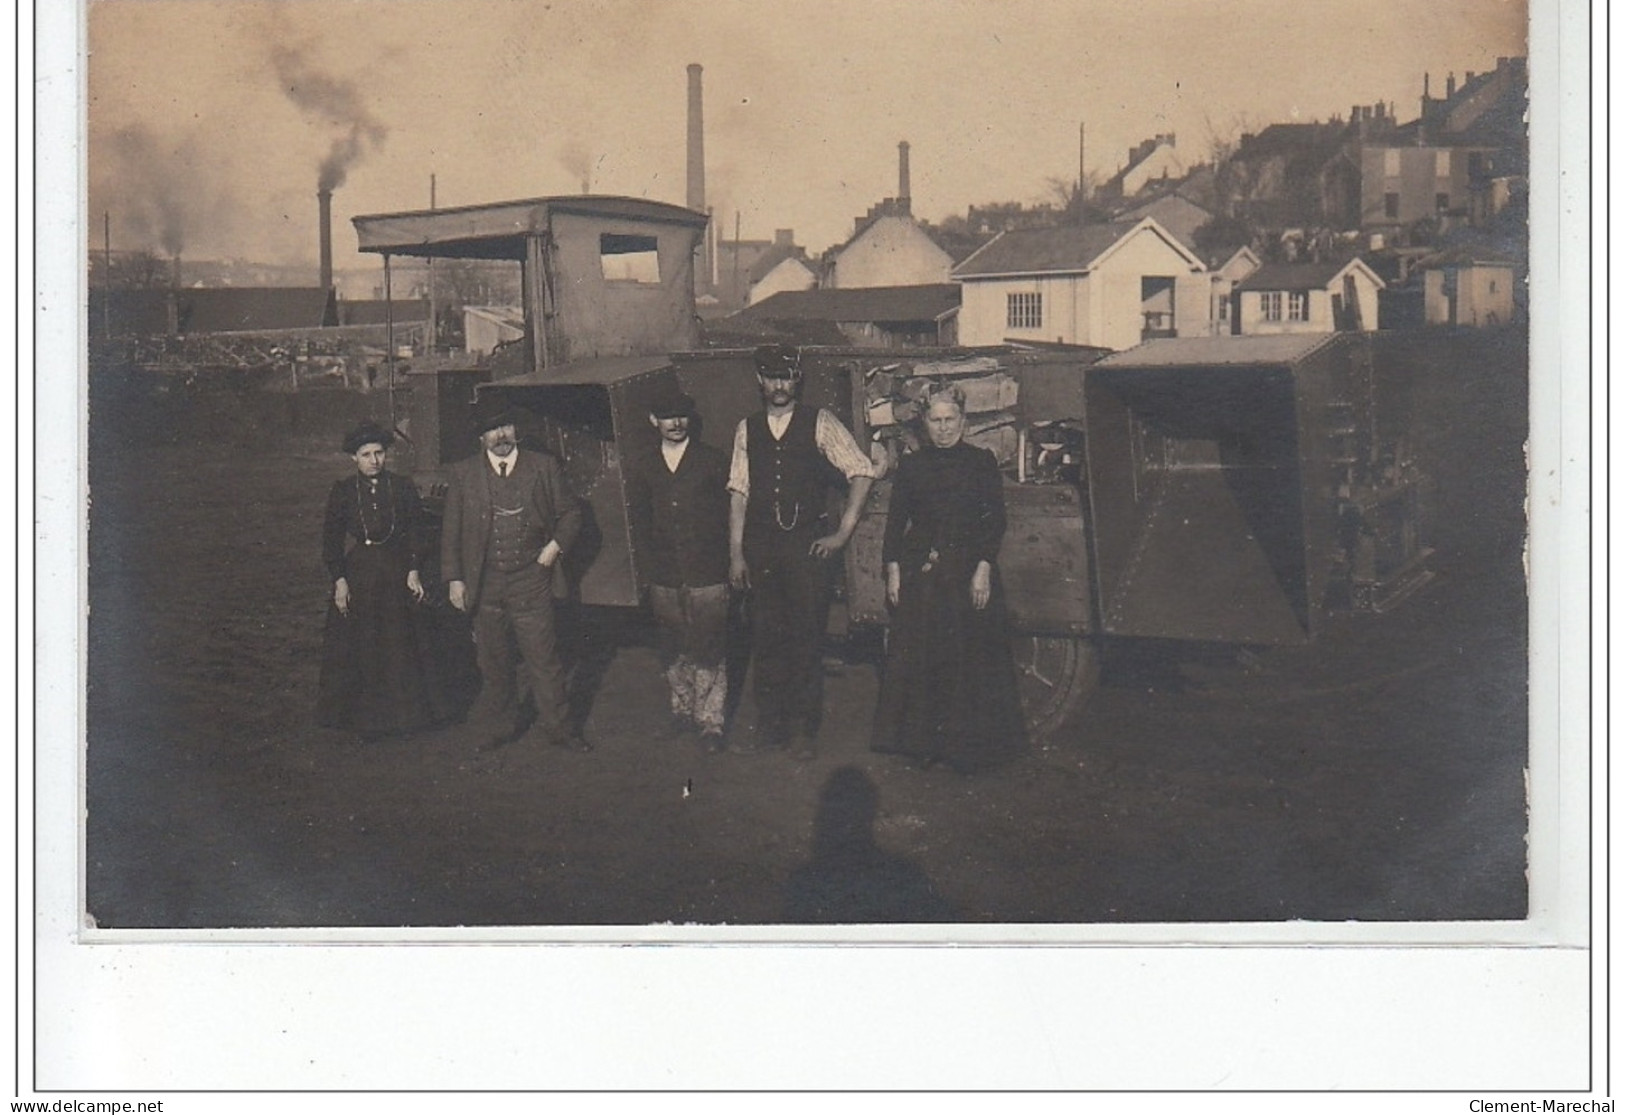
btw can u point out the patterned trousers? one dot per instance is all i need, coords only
(695, 625)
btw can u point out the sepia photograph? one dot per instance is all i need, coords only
(622, 545)
(610, 464)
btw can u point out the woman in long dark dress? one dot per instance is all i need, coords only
(948, 690)
(378, 674)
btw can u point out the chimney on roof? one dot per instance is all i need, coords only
(1470, 76)
(902, 174)
(1450, 85)
(784, 237)
(696, 169)
(324, 233)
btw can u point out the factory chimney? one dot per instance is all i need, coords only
(902, 175)
(696, 172)
(324, 219)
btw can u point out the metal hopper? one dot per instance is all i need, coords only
(1220, 470)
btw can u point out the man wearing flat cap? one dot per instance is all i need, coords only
(677, 507)
(509, 518)
(781, 546)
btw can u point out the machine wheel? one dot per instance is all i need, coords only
(1055, 677)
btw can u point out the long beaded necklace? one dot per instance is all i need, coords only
(361, 513)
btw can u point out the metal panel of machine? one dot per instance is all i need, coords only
(590, 415)
(1209, 469)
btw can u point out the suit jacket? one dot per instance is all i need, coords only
(466, 525)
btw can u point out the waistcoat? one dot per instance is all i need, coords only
(789, 478)
(516, 536)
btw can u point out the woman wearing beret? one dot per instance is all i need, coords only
(377, 673)
(948, 691)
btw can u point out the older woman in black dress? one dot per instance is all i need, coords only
(948, 690)
(378, 675)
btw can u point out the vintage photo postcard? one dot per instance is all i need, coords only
(916, 473)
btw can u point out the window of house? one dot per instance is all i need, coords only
(1390, 162)
(1390, 206)
(1492, 286)
(629, 259)
(1441, 202)
(1024, 310)
(1297, 306)
(1224, 307)
(1272, 305)
(1441, 164)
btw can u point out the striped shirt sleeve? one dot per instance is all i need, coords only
(739, 466)
(840, 448)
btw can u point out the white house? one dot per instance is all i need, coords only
(890, 249)
(1108, 285)
(1308, 298)
(1239, 265)
(787, 273)
(1459, 289)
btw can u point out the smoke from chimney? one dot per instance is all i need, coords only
(336, 101)
(156, 189)
(696, 168)
(575, 158)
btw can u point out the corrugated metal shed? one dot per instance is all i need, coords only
(1169, 352)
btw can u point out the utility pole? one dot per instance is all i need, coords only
(389, 336)
(107, 274)
(432, 333)
(1081, 178)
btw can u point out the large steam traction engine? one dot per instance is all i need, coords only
(1228, 489)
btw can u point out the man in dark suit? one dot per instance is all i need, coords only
(677, 508)
(509, 518)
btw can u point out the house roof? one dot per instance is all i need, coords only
(250, 309)
(1064, 249)
(1268, 348)
(375, 311)
(1291, 139)
(1301, 276)
(772, 257)
(1174, 212)
(926, 302)
(1463, 255)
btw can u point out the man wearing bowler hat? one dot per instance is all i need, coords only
(780, 544)
(509, 519)
(677, 508)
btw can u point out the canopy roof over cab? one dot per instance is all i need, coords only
(499, 230)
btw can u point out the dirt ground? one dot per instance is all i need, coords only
(1378, 774)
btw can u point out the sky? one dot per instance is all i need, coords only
(210, 122)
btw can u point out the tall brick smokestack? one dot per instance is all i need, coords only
(696, 171)
(324, 220)
(902, 174)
